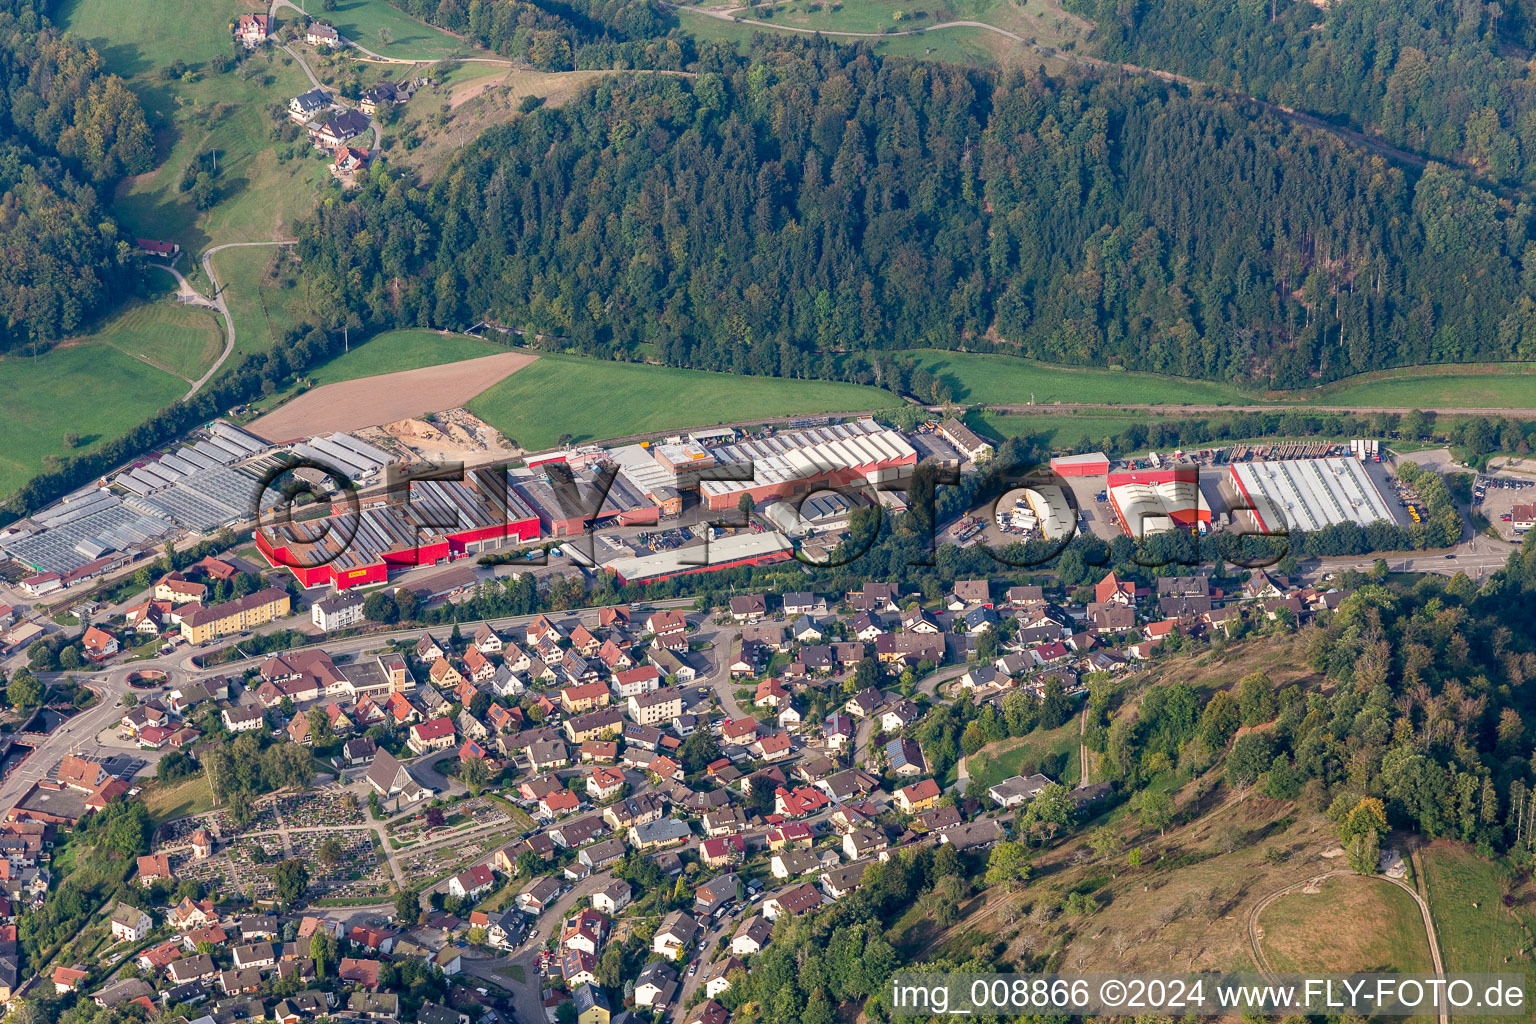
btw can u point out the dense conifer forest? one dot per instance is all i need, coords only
(1450, 80)
(786, 209)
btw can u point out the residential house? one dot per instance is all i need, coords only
(899, 715)
(252, 30)
(919, 796)
(751, 936)
(437, 734)
(905, 758)
(339, 129)
(748, 607)
(129, 923)
(674, 934)
(1014, 791)
(337, 611)
(472, 883)
(613, 897)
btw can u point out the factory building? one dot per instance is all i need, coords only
(569, 500)
(1053, 514)
(1091, 464)
(793, 464)
(785, 466)
(349, 549)
(1306, 494)
(1149, 501)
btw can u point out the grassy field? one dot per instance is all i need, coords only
(1373, 927)
(167, 803)
(1007, 758)
(1504, 386)
(200, 117)
(378, 26)
(961, 45)
(90, 387)
(183, 340)
(1478, 934)
(403, 350)
(997, 379)
(257, 300)
(594, 399)
(1009, 380)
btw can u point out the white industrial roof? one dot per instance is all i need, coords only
(1148, 508)
(1309, 494)
(808, 453)
(1050, 506)
(720, 551)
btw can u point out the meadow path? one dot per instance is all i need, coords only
(1256, 942)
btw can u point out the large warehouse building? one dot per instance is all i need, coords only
(349, 550)
(785, 466)
(1307, 494)
(803, 461)
(1091, 464)
(1154, 500)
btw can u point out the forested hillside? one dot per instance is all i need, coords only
(67, 128)
(1448, 80)
(811, 200)
(560, 35)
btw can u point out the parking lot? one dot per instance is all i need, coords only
(1494, 496)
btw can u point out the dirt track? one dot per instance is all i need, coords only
(371, 401)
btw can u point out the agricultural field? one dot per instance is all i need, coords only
(605, 399)
(386, 30)
(1479, 931)
(1374, 927)
(205, 120)
(96, 386)
(183, 340)
(390, 352)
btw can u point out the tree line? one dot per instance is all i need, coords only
(67, 130)
(561, 35)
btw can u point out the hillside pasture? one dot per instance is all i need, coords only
(1373, 926)
(1054, 752)
(1478, 932)
(388, 31)
(206, 120)
(997, 379)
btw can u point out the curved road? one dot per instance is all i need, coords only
(1257, 945)
(218, 303)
